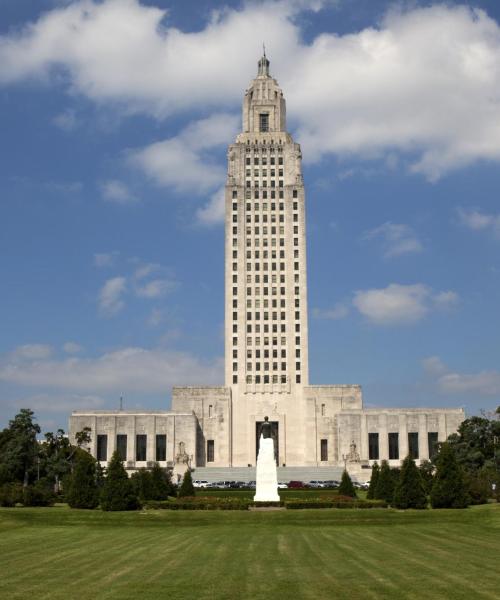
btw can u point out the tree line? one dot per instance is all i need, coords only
(40, 473)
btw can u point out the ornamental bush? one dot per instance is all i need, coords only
(385, 484)
(117, 492)
(11, 494)
(161, 483)
(40, 493)
(409, 491)
(346, 487)
(81, 486)
(373, 481)
(448, 489)
(187, 488)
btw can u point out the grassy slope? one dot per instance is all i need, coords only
(343, 554)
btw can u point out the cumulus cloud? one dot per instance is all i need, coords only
(72, 348)
(32, 352)
(423, 83)
(134, 369)
(155, 288)
(55, 403)
(400, 304)
(338, 311)
(110, 295)
(484, 383)
(117, 192)
(185, 162)
(479, 221)
(105, 259)
(66, 120)
(396, 238)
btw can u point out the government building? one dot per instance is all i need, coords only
(266, 341)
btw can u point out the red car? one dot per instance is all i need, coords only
(296, 484)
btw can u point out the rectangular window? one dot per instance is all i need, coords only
(432, 440)
(161, 447)
(210, 450)
(373, 446)
(323, 410)
(413, 444)
(394, 446)
(324, 450)
(102, 447)
(264, 122)
(121, 445)
(140, 446)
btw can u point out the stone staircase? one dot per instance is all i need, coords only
(285, 474)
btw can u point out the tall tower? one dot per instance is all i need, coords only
(266, 290)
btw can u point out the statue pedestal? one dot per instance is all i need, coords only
(267, 475)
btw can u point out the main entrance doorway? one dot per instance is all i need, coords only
(274, 435)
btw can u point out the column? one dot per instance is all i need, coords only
(403, 436)
(423, 445)
(383, 437)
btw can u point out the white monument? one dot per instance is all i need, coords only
(266, 476)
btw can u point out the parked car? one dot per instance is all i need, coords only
(296, 484)
(316, 483)
(200, 483)
(282, 486)
(252, 484)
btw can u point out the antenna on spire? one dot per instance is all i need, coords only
(121, 402)
(264, 48)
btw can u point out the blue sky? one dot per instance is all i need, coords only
(115, 117)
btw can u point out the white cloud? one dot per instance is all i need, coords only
(484, 383)
(423, 83)
(213, 212)
(72, 348)
(105, 259)
(32, 352)
(133, 369)
(66, 120)
(110, 296)
(117, 192)
(400, 304)
(397, 239)
(338, 311)
(433, 365)
(54, 403)
(184, 162)
(479, 221)
(155, 288)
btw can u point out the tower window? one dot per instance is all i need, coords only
(263, 122)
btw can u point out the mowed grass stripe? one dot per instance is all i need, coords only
(57, 553)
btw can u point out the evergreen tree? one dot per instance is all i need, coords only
(19, 448)
(385, 483)
(161, 483)
(142, 484)
(409, 491)
(448, 489)
(426, 470)
(82, 490)
(346, 487)
(187, 488)
(373, 481)
(118, 492)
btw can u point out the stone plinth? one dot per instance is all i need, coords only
(266, 476)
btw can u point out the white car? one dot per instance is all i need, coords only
(200, 483)
(282, 486)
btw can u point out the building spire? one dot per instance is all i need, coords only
(263, 64)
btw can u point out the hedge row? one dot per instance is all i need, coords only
(293, 504)
(241, 504)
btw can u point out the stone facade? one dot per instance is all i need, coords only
(266, 338)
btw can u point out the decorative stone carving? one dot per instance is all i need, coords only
(353, 456)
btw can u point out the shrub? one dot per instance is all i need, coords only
(409, 491)
(346, 487)
(187, 488)
(117, 491)
(11, 494)
(81, 489)
(478, 486)
(161, 481)
(143, 485)
(40, 493)
(373, 481)
(448, 489)
(385, 484)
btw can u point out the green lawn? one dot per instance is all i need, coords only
(58, 553)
